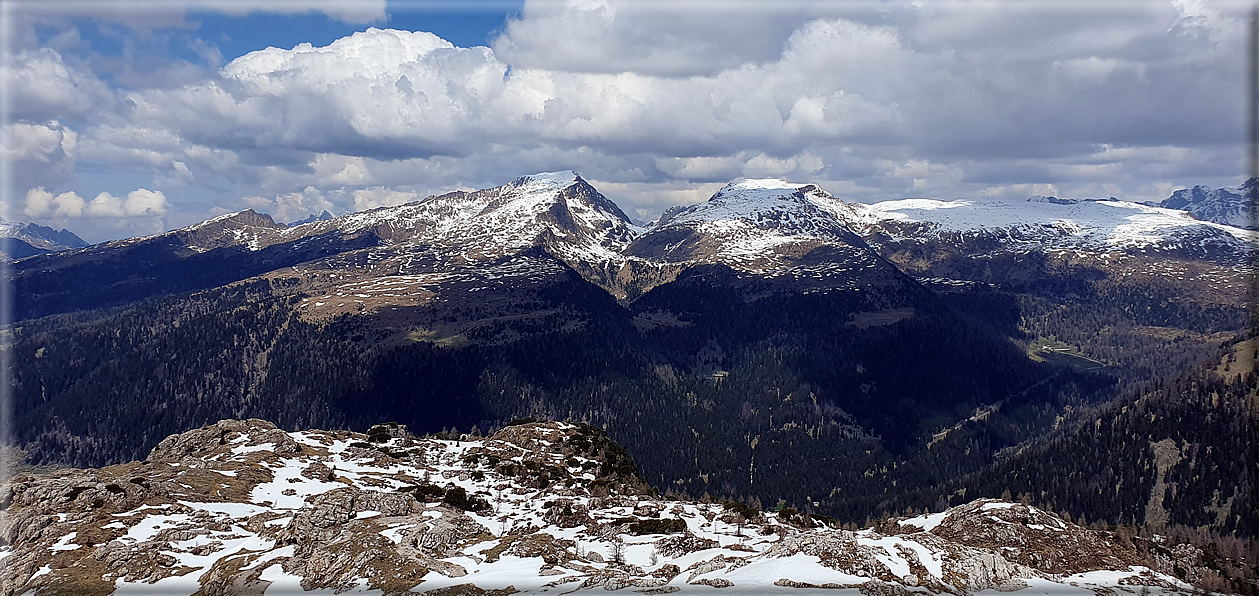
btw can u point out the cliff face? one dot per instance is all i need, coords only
(244, 507)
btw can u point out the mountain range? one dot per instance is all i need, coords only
(766, 228)
(774, 342)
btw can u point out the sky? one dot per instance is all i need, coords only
(123, 118)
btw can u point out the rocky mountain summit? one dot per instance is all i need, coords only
(323, 216)
(1234, 206)
(242, 507)
(19, 240)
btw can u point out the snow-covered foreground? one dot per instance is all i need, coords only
(243, 507)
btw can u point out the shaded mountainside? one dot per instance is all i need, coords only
(1180, 452)
(774, 343)
(103, 275)
(1174, 455)
(241, 506)
(828, 370)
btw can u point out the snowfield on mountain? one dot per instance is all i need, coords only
(1093, 225)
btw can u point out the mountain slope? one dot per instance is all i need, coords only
(557, 212)
(485, 247)
(1194, 431)
(1061, 248)
(1102, 226)
(243, 506)
(210, 254)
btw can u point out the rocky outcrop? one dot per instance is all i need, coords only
(208, 440)
(1033, 537)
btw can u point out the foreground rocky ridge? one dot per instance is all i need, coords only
(244, 507)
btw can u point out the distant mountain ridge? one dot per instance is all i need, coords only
(323, 216)
(1234, 206)
(1062, 201)
(1097, 225)
(19, 240)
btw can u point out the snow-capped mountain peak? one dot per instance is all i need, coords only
(769, 188)
(249, 228)
(491, 222)
(549, 180)
(555, 208)
(1234, 206)
(323, 216)
(26, 239)
(531, 195)
(421, 243)
(750, 194)
(758, 225)
(752, 199)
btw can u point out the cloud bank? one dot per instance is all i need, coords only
(658, 102)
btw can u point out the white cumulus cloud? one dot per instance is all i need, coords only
(42, 204)
(144, 202)
(42, 142)
(370, 198)
(42, 87)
